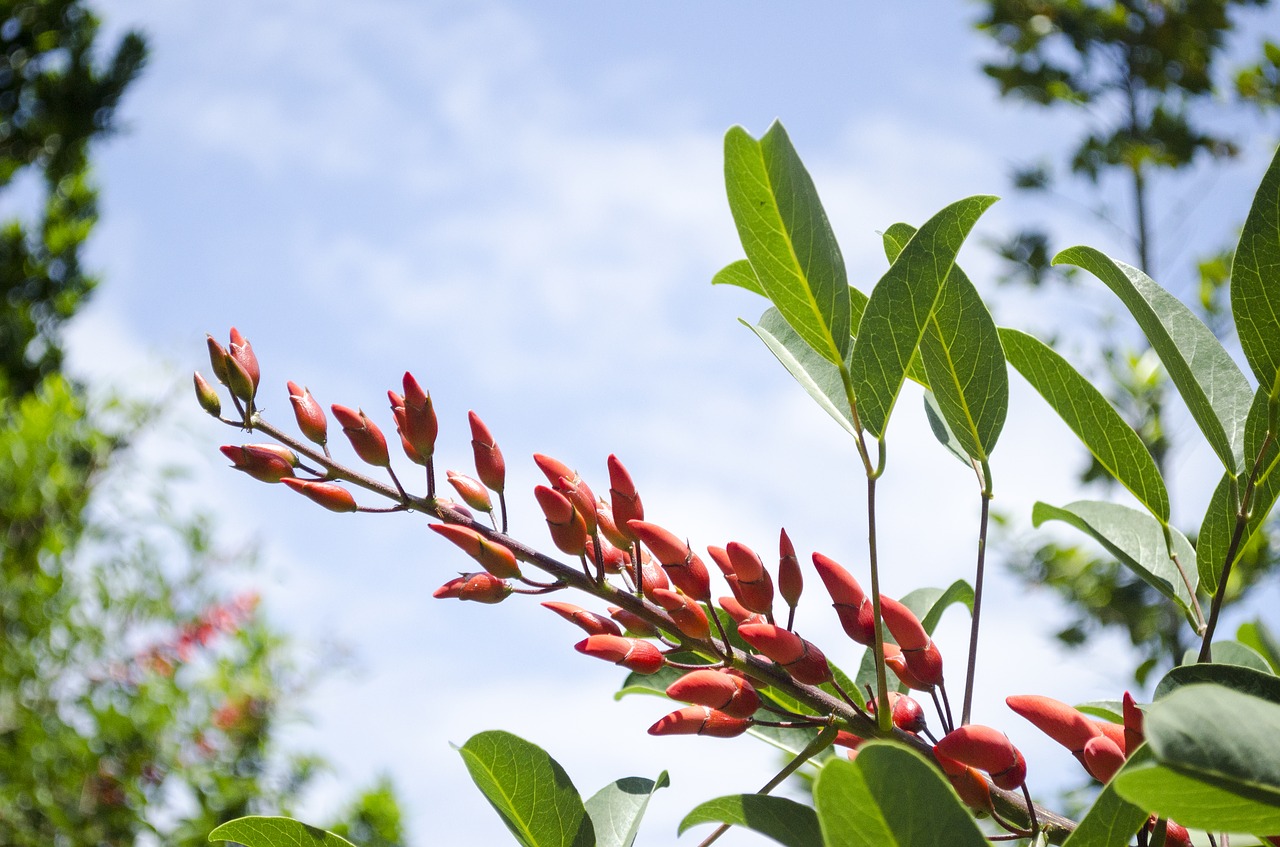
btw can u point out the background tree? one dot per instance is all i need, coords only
(135, 696)
(1143, 77)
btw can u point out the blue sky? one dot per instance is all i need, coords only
(523, 204)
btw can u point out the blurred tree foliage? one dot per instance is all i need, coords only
(1146, 79)
(138, 703)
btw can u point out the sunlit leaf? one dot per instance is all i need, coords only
(816, 375)
(275, 832)
(1255, 283)
(1231, 653)
(739, 273)
(616, 809)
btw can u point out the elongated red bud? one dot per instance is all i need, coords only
(259, 461)
(652, 578)
(613, 559)
(1055, 719)
(1102, 758)
(472, 492)
(895, 661)
(790, 580)
(239, 383)
(582, 498)
(925, 664)
(1114, 731)
(588, 622)
(972, 788)
(643, 657)
(907, 714)
(1176, 835)
(700, 720)
(1132, 724)
(402, 426)
(490, 466)
(733, 695)
(420, 425)
(755, 586)
(803, 660)
(554, 469)
(568, 530)
(492, 556)
(721, 557)
(476, 587)
(988, 750)
(333, 497)
(241, 352)
(311, 419)
(365, 437)
(844, 738)
(609, 528)
(685, 611)
(677, 558)
(740, 613)
(848, 599)
(218, 361)
(623, 495)
(207, 396)
(904, 625)
(633, 623)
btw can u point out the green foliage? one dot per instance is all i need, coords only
(261, 831)
(787, 822)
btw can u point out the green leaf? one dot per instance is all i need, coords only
(739, 273)
(890, 797)
(1136, 539)
(941, 431)
(895, 238)
(1110, 822)
(1243, 679)
(275, 832)
(787, 238)
(528, 789)
(1108, 710)
(1255, 283)
(1230, 653)
(817, 376)
(1216, 393)
(1091, 417)
(1216, 761)
(785, 821)
(900, 306)
(617, 808)
(1257, 635)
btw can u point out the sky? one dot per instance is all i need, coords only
(523, 204)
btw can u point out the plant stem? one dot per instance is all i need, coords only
(884, 717)
(967, 708)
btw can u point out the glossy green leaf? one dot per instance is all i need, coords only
(787, 822)
(890, 797)
(275, 832)
(895, 238)
(1243, 679)
(787, 238)
(529, 790)
(1091, 417)
(900, 307)
(1258, 635)
(616, 809)
(1216, 393)
(1216, 761)
(1108, 710)
(1110, 822)
(739, 273)
(816, 375)
(1230, 653)
(1255, 283)
(1136, 539)
(942, 432)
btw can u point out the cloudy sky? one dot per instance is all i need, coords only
(523, 204)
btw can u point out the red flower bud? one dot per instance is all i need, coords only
(895, 661)
(262, 462)
(311, 418)
(1102, 758)
(700, 720)
(1055, 719)
(471, 491)
(402, 426)
(844, 738)
(848, 599)
(613, 559)
(643, 657)
(609, 527)
(554, 469)
(633, 623)
(582, 498)
(589, 622)
(207, 396)
(218, 360)
(476, 587)
(1132, 725)
(239, 382)
(1176, 835)
(733, 695)
(493, 557)
(986, 749)
(740, 613)
(420, 426)
(677, 558)
(652, 578)
(333, 497)
(790, 580)
(972, 788)
(925, 664)
(490, 466)
(755, 586)
(907, 714)
(804, 661)
(622, 492)
(365, 437)
(568, 530)
(685, 611)
(241, 352)
(904, 625)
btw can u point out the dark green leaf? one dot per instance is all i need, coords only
(787, 238)
(1216, 761)
(739, 273)
(1091, 417)
(529, 790)
(1243, 679)
(1230, 653)
(1210, 383)
(617, 808)
(1136, 539)
(785, 821)
(275, 832)
(1257, 635)
(900, 306)
(816, 375)
(1110, 822)
(1255, 283)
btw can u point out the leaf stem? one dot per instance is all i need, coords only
(971, 668)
